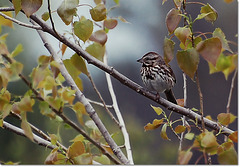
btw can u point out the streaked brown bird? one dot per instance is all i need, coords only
(157, 75)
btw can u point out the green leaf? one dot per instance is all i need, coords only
(83, 29)
(84, 159)
(172, 20)
(211, 13)
(96, 50)
(188, 61)
(30, 6)
(6, 22)
(27, 129)
(182, 33)
(158, 110)
(45, 16)
(219, 33)
(99, 13)
(168, 49)
(17, 6)
(102, 159)
(228, 156)
(73, 71)
(210, 49)
(189, 136)
(79, 63)
(226, 118)
(67, 10)
(17, 50)
(99, 36)
(164, 132)
(16, 69)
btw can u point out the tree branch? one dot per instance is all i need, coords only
(119, 115)
(129, 83)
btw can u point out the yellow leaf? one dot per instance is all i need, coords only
(6, 22)
(158, 110)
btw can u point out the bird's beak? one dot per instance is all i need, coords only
(140, 60)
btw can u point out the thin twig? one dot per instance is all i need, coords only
(36, 138)
(19, 22)
(201, 100)
(50, 16)
(6, 9)
(119, 115)
(231, 91)
(99, 104)
(102, 100)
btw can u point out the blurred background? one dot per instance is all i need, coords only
(128, 42)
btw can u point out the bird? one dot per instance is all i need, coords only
(157, 75)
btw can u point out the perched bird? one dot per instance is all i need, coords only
(157, 75)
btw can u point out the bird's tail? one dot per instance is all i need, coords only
(170, 96)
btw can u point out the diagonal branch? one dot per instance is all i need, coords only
(129, 83)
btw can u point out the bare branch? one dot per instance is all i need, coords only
(119, 116)
(6, 9)
(231, 90)
(19, 22)
(20, 132)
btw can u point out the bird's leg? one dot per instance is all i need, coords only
(157, 97)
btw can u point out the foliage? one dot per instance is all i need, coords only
(47, 83)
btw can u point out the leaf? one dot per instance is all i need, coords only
(180, 129)
(79, 63)
(122, 19)
(76, 149)
(164, 132)
(83, 29)
(158, 110)
(178, 3)
(27, 129)
(97, 1)
(226, 118)
(212, 16)
(6, 22)
(45, 16)
(180, 102)
(31, 6)
(184, 157)
(206, 142)
(17, 50)
(155, 124)
(210, 49)
(26, 104)
(219, 33)
(228, 156)
(63, 48)
(67, 10)
(110, 23)
(234, 136)
(98, 13)
(96, 50)
(102, 159)
(99, 36)
(188, 61)
(189, 136)
(168, 49)
(71, 69)
(17, 6)
(172, 20)
(84, 159)
(182, 33)
(54, 139)
(78, 138)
